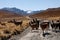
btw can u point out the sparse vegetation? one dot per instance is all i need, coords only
(9, 29)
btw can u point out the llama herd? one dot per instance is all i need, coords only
(54, 25)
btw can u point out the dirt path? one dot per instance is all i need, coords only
(37, 35)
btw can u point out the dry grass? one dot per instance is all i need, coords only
(11, 27)
(53, 18)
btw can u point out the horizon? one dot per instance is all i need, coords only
(30, 5)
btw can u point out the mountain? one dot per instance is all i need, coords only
(35, 12)
(21, 12)
(16, 10)
(8, 14)
(50, 12)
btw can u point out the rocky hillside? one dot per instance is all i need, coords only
(50, 12)
(8, 14)
(16, 10)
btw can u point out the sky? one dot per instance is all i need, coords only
(30, 5)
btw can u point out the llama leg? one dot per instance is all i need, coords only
(36, 28)
(43, 34)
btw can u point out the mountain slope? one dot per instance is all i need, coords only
(16, 10)
(22, 12)
(8, 14)
(51, 12)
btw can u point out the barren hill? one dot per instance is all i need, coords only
(51, 12)
(8, 14)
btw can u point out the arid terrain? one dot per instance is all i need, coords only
(9, 29)
(50, 13)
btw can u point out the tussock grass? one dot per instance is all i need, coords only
(11, 27)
